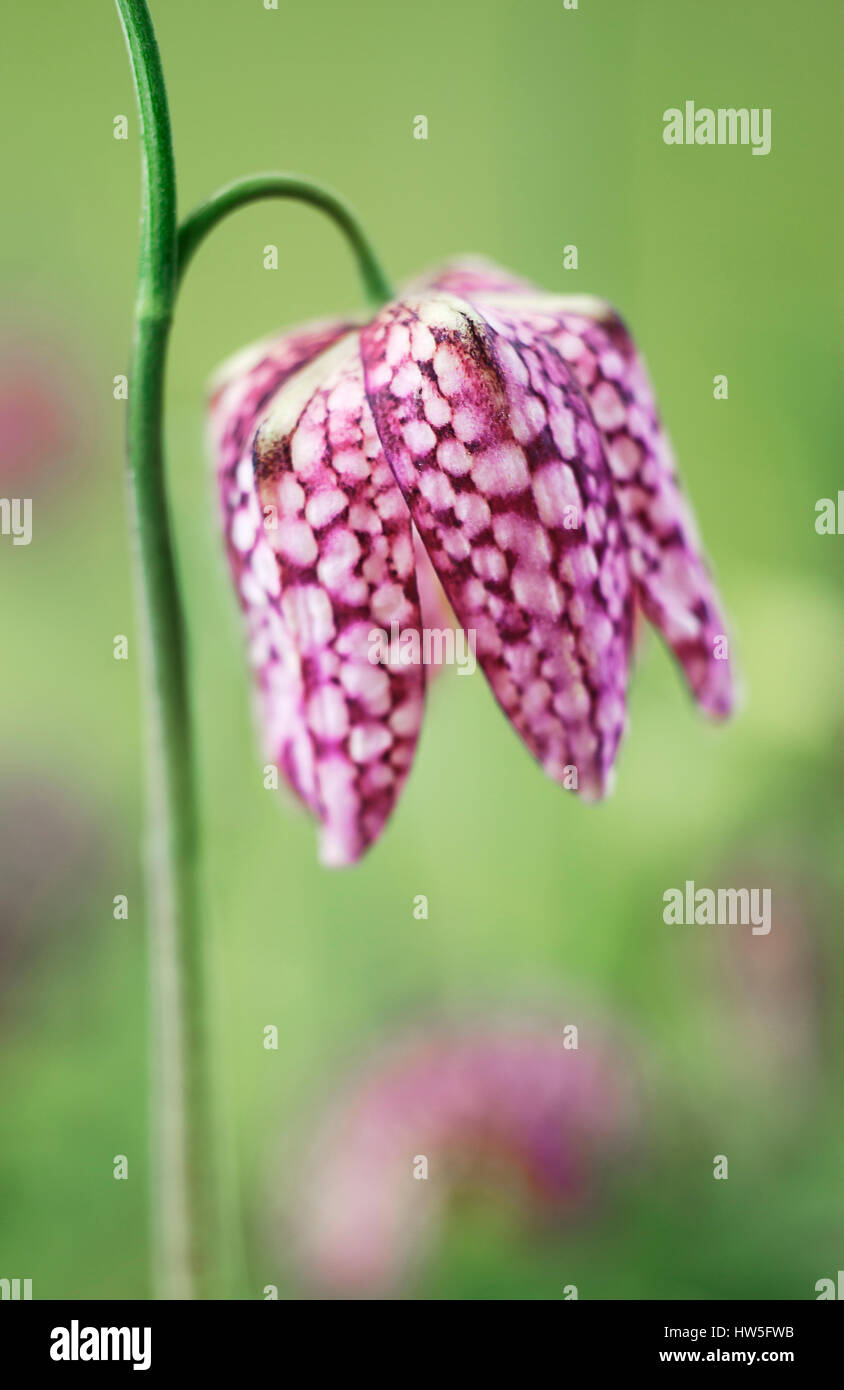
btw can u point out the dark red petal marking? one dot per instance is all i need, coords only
(343, 726)
(503, 470)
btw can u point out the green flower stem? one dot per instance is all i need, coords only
(189, 1213)
(203, 218)
(183, 1140)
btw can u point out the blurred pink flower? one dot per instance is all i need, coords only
(39, 411)
(502, 1105)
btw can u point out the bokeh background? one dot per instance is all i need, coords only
(545, 129)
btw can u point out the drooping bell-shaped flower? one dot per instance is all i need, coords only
(507, 438)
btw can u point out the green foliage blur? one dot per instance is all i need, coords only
(545, 130)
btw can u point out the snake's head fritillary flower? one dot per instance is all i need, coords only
(507, 438)
(497, 1107)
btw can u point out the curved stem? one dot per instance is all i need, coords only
(184, 1222)
(203, 218)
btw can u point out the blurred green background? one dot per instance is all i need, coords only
(545, 129)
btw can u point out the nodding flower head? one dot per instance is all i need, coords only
(507, 438)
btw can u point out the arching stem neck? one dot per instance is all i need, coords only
(197, 225)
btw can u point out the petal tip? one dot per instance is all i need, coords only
(715, 692)
(340, 847)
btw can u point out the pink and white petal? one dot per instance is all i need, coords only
(675, 588)
(244, 383)
(242, 389)
(241, 393)
(673, 584)
(342, 717)
(503, 470)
